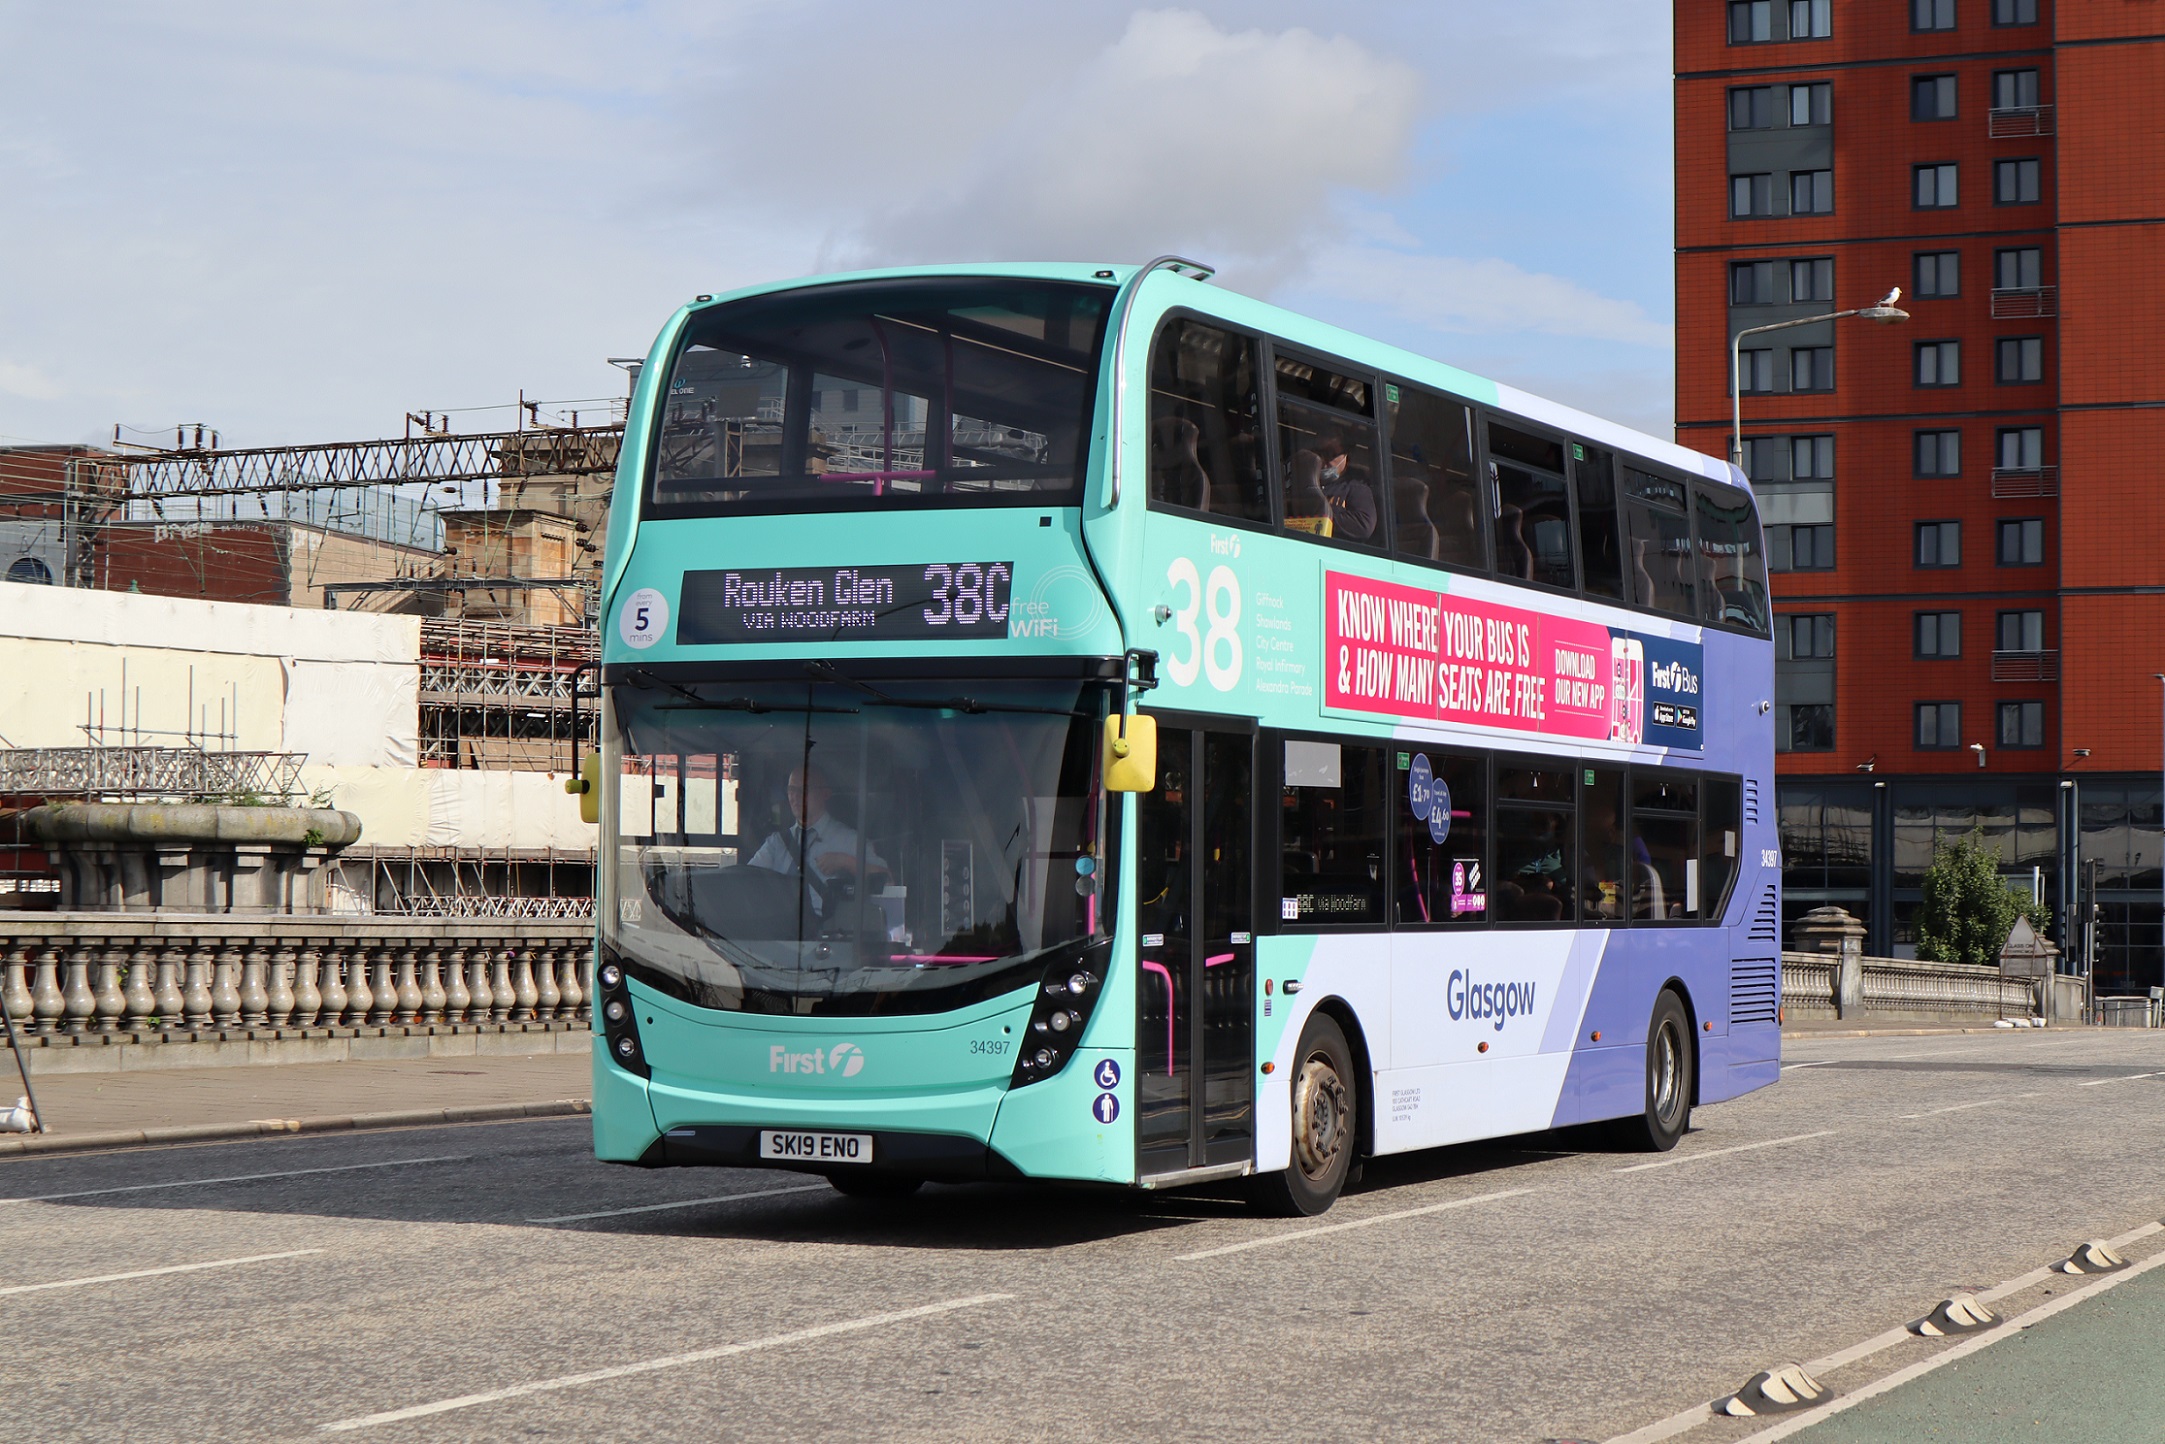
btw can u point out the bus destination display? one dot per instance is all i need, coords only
(917, 601)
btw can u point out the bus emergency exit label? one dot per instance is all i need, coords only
(1411, 652)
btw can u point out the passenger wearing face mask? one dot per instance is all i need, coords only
(1352, 500)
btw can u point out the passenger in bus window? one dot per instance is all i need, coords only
(1178, 476)
(826, 848)
(1533, 885)
(1352, 499)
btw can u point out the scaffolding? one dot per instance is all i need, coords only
(146, 773)
(497, 694)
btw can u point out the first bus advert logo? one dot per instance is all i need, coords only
(1409, 652)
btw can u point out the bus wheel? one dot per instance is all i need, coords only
(1669, 1062)
(1326, 1126)
(875, 1185)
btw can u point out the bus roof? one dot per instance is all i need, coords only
(1306, 330)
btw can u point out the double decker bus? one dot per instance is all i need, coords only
(1079, 723)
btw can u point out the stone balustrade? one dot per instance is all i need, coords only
(85, 973)
(1902, 988)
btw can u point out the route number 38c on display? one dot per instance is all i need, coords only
(1213, 649)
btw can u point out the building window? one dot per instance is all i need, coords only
(1801, 548)
(1936, 189)
(1931, 14)
(2022, 542)
(1751, 195)
(2021, 448)
(2020, 632)
(1931, 97)
(1751, 283)
(1939, 363)
(1812, 280)
(1751, 107)
(1937, 636)
(2019, 358)
(2022, 724)
(1806, 636)
(1811, 104)
(1939, 544)
(1751, 22)
(1939, 453)
(1939, 726)
(1937, 273)
(2014, 12)
(1811, 192)
(2014, 90)
(1755, 371)
(1811, 458)
(1811, 368)
(1763, 457)
(2018, 268)
(2015, 182)
(1811, 727)
(1811, 19)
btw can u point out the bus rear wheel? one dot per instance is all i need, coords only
(1326, 1126)
(875, 1185)
(1670, 1081)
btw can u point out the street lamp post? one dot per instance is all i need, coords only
(1882, 311)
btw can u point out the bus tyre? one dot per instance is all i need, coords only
(1326, 1126)
(875, 1185)
(1670, 1081)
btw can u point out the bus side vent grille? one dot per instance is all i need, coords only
(1751, 799)
(1753, 990)
(1766, 924)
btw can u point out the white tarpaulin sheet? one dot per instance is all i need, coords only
(353, 714)
(437, 807)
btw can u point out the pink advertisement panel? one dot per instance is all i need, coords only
(1409, 652)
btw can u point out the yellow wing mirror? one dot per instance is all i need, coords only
(587, 788)
(1131, 753)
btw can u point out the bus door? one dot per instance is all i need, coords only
(1195, 994)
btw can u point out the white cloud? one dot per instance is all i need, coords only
(27, 382)
(1177, 136)
(1485, 297)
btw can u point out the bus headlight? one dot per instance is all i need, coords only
(619, 1019)
(1060, 1014)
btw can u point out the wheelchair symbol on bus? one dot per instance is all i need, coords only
(1107, 1108)
(1108, 1073)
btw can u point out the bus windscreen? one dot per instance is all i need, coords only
(831, 849)
(957, 391)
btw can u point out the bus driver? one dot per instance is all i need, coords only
(825, 848)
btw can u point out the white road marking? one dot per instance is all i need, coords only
(1821, 1063)
(1982, 1103)
(681, 1203)
(1298, 1234)
(1720, 1152)
(221, 1263)
(231, 1178)
(649, 1366)
(2127, 1078)
(1688, 1419)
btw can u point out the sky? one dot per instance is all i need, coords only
(300, 222)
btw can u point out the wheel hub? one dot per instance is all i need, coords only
(1319, 1116)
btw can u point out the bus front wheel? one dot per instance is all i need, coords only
(1670, 1062)
(1326, 1126)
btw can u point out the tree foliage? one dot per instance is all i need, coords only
(1968, 907)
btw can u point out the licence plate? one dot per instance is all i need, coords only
(789, 1147)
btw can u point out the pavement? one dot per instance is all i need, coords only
(494, 1282)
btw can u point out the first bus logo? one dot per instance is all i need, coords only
(846, 1059)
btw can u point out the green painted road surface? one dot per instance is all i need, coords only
(2092, 1373)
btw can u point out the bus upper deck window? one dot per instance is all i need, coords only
(1732, 568)
(1661, 571)
(1593, 481)
(1327, 450)
(1434, 500)
(1532, 509)
(1206, 444)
